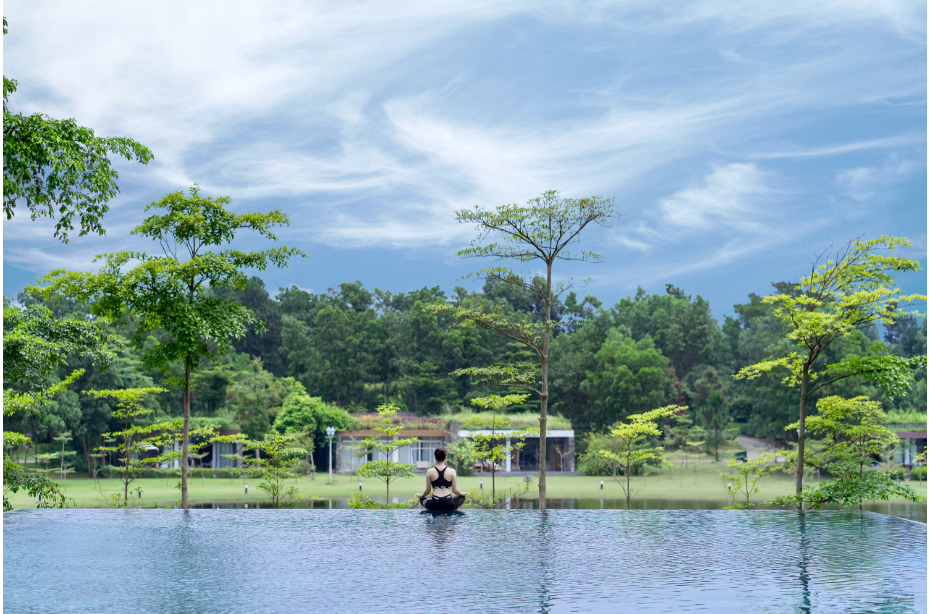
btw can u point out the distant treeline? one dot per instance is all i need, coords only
(356, 348)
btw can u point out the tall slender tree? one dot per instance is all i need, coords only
(171, 292)
(853, 290)
(539, 232)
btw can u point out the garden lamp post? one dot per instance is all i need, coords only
(330, 431)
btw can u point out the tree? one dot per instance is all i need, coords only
(852, 434)
(63, 455)
(489, 445)
(15, 478)
(171, 292)
(632, 450)
(35, 344)
(134, 440)
(746, 476)
(715, 418)
(628, 378)
(306, 418)
(387, 470)
(57, 164)
(854, 291)
(251, 396)
(539, 232)
(273, 468)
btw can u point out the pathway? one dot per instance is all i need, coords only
(756, 447)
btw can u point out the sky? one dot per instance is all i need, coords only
(739, 139)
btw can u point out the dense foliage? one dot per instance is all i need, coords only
(352, 349)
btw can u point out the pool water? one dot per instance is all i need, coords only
(910, 511)
(474, 561)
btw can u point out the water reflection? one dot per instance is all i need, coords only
(483, 561)
(545, 560)
(803, 563)
(439, 528)
(910, 511)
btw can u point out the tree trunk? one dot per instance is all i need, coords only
(186, 433)
(543, 414)
(86, 452)
(126, 473)
(801, 432)
(628, 486)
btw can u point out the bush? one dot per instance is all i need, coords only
(897, 474)
(486, 500)
(918, 474)
(463, 456)
(361, 501)
(109, 471)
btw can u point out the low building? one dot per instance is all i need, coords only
(350, 453)
(214, 458)
(559, 447)
(912, 442)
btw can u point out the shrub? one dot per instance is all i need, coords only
(109, 471)
(918, 474)
(361, 501)
(487, 501)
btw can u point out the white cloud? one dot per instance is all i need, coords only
(372, 121)
(726, 197)
(845, 148)
(864, 182)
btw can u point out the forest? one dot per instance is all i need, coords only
(354, 349)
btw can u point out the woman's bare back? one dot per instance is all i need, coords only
(433, 474)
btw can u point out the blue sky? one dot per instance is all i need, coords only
(739, 138)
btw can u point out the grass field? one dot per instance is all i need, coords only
(699, 481)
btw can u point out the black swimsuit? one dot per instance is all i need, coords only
(448, 502)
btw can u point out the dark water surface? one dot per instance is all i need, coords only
(475, 561)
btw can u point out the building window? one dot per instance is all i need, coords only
(423, 451)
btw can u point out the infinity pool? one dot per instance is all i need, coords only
(209, 561)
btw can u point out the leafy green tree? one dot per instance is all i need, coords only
(60, 169)
(252, 395)
(171, 293)
(307, 417)
(462, 450)
(35, 344)
(489, 444)
(15, 478)
(299, 413)
(387, 470)
(540, 232)
(745, 476)
(683, 329)
(273, 468)
(134, 440)
(628, 378)
(266, 345)
(851, 292)
(63, 456)
(714, 416)
(632, 449)
(852, 434)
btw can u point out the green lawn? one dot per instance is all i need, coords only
(704, 484)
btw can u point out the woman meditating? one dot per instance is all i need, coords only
(442, 481)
